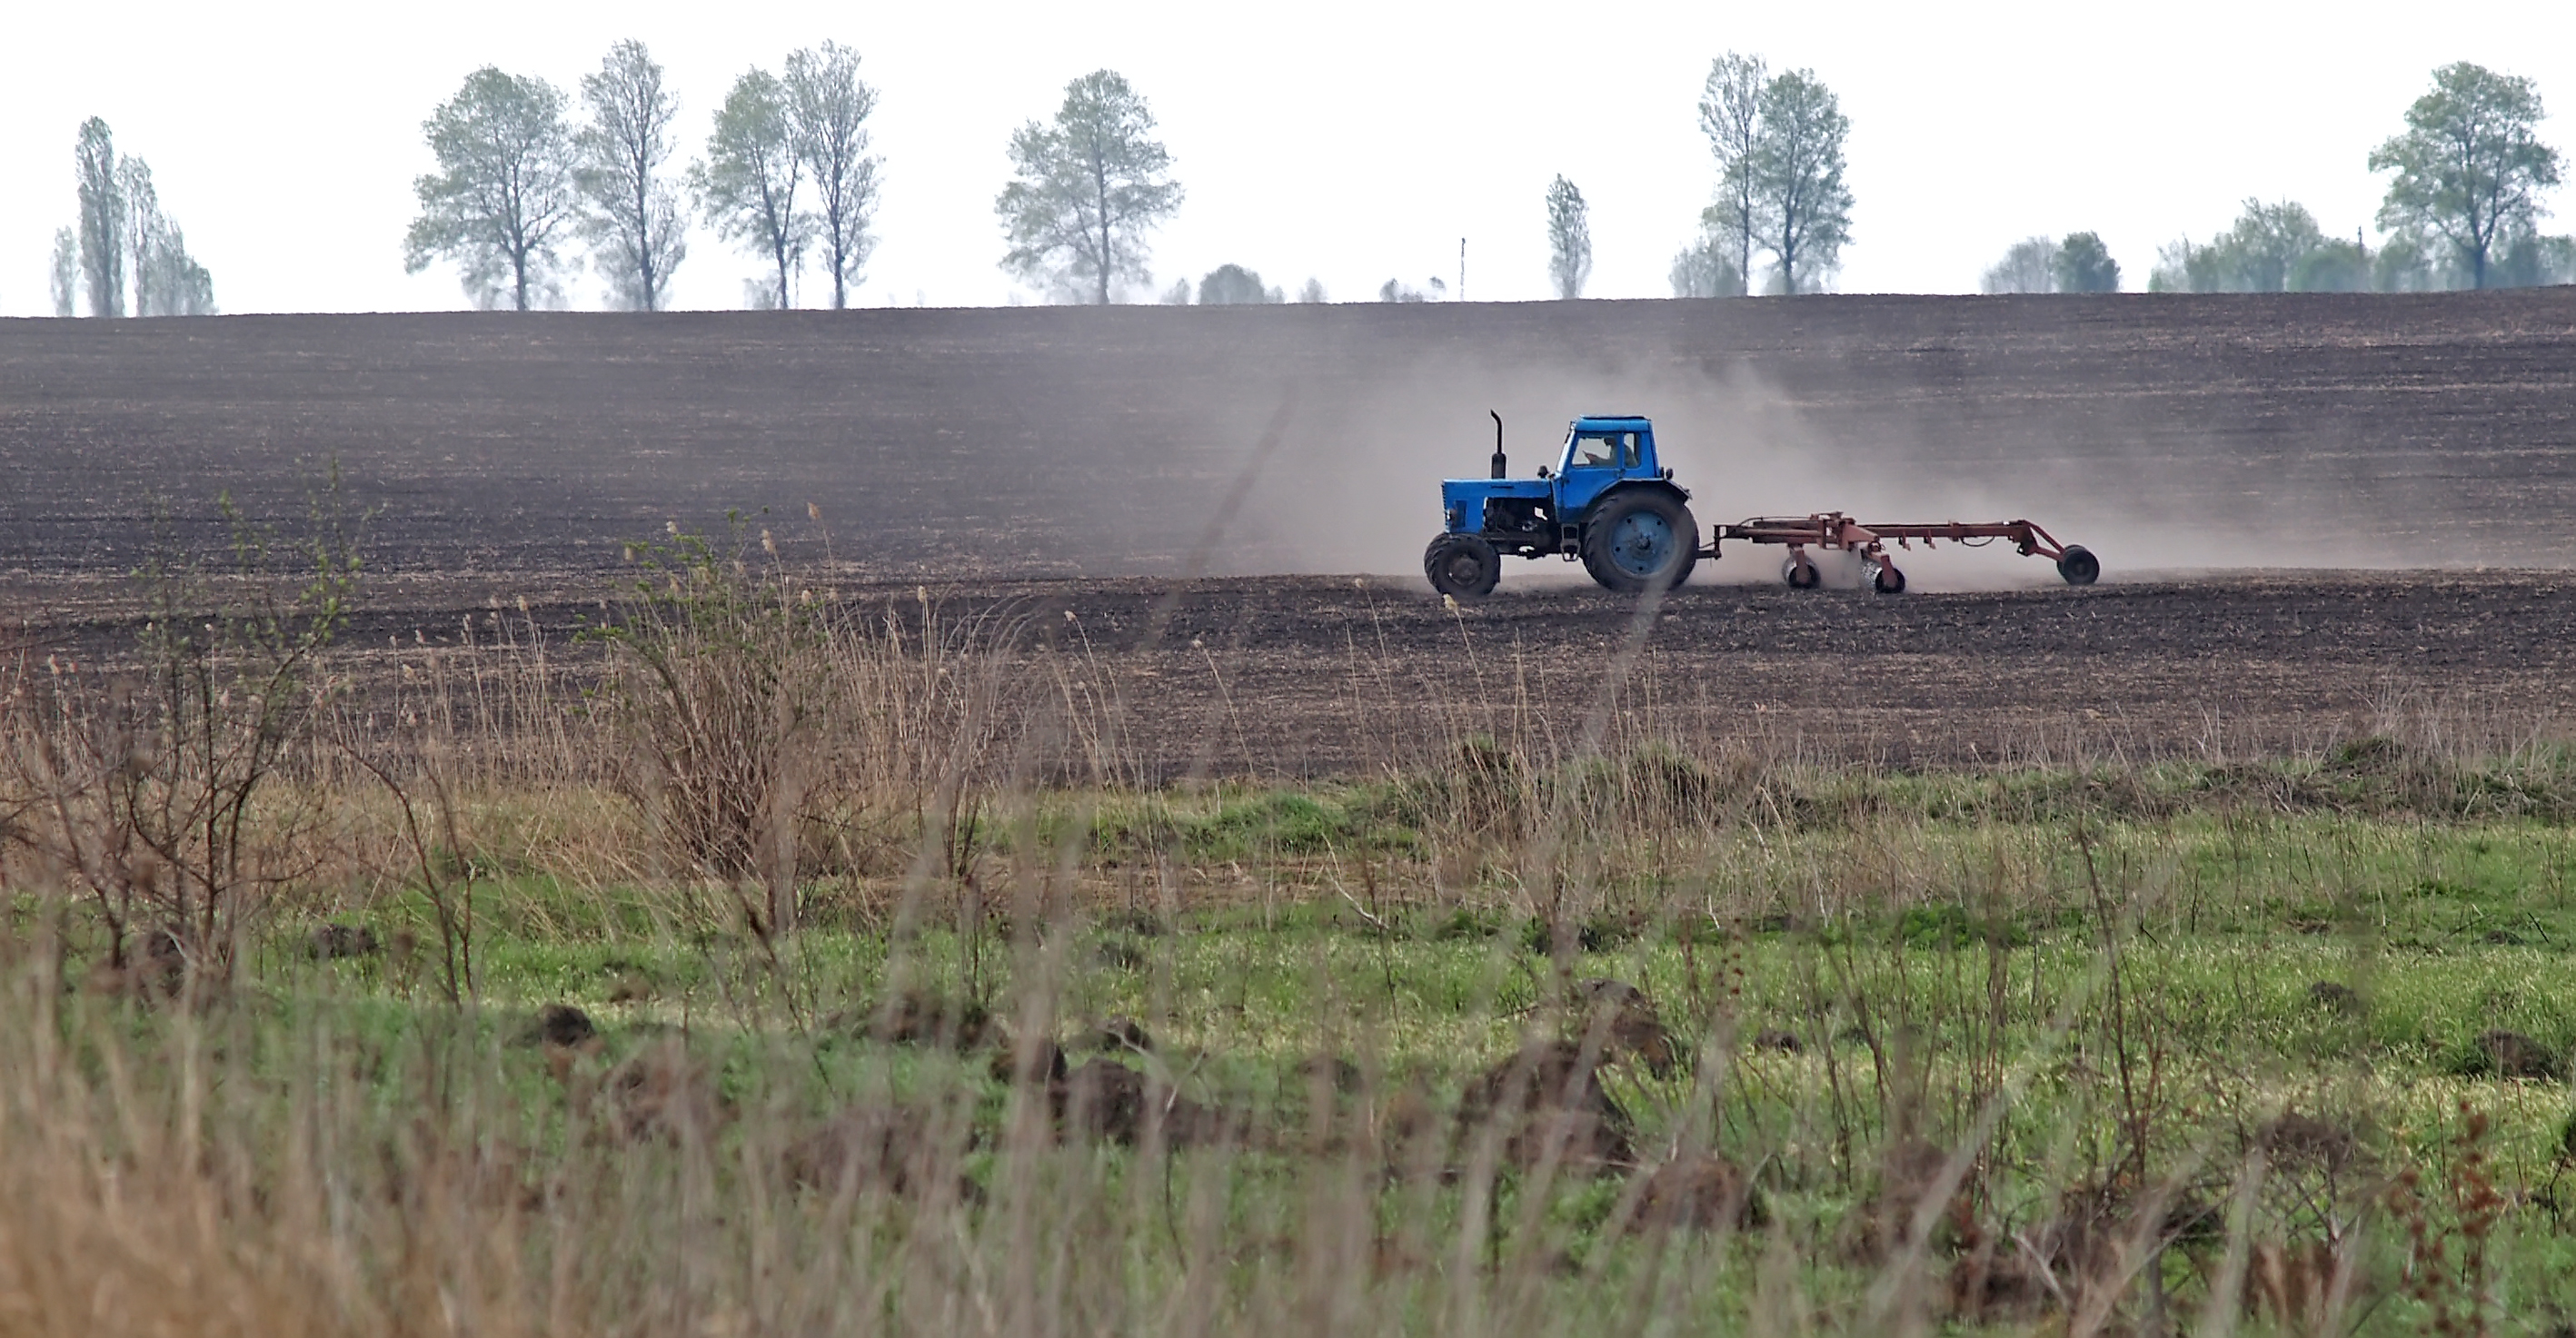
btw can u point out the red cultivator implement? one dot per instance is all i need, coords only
(1835, 531)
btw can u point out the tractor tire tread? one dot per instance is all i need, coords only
(1596, 531)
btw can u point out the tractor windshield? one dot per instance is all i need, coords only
(1605, 449)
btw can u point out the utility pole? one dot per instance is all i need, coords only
(1462, 269)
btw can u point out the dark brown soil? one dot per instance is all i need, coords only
(1029, 464)
(2342, 429)
(1310, 675)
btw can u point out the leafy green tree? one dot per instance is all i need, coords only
(2182, 267)
(2029, 267)
(829, 107)
(124, 233)
(2529, 260)
(503, 194)
(1799, 196)
(748, 183)
(2265, 250)
(143, 228)
(2403, 265)
(2084, 265)
(1730, 114)
(1707, 268)
(102, 219)
(1233, 285)
(1087, 189)
(1569, 239)
(635, 225)
(63, 283)
(2470, 165)
(167, 280)
(2266, 245)
(2332, 266)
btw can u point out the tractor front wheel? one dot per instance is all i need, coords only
(1462, 566)
(1640, 541)
(2079, 566)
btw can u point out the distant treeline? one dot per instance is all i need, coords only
(530, 181)
(2462, 211)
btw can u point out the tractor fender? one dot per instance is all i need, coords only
(1632, 487)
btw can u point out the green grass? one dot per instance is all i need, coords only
(2072, 977)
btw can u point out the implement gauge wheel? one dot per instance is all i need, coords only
(1801, 574)
(2079, 566)
(1462, 566)
(1639, 541)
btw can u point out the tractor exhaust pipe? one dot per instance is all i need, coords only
(1499, 467)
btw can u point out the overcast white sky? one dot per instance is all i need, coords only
(1348, 141)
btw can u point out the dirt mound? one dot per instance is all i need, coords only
(1546, 1103)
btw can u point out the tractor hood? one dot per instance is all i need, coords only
(1462, 501)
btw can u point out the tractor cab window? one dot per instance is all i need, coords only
(1605, 449)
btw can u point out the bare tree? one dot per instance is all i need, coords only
(1569, 239)
(1088, 187)
(830, 106)
(1730, 114)
(63, 283)
(1803, 205)
(503, 193)
(2470, 165)
(102, 219)
(1312, 292)
(2029, 267)
(747, 185)
(635, 223)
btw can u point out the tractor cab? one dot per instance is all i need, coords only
(1607, 502)
(1599, 454)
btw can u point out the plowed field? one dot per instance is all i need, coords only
(1086, 461)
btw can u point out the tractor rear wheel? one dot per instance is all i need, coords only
(1462, 566)
(1639, 541)
(2079, 566)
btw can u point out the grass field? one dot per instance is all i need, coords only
(772, 969)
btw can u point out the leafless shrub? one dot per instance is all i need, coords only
(156, 789)
(759, 718)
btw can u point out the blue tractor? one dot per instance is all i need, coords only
(1610, 503)
(1607, 502)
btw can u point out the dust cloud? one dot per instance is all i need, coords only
(1353, 486)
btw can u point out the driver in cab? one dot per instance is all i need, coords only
(1602, 450)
